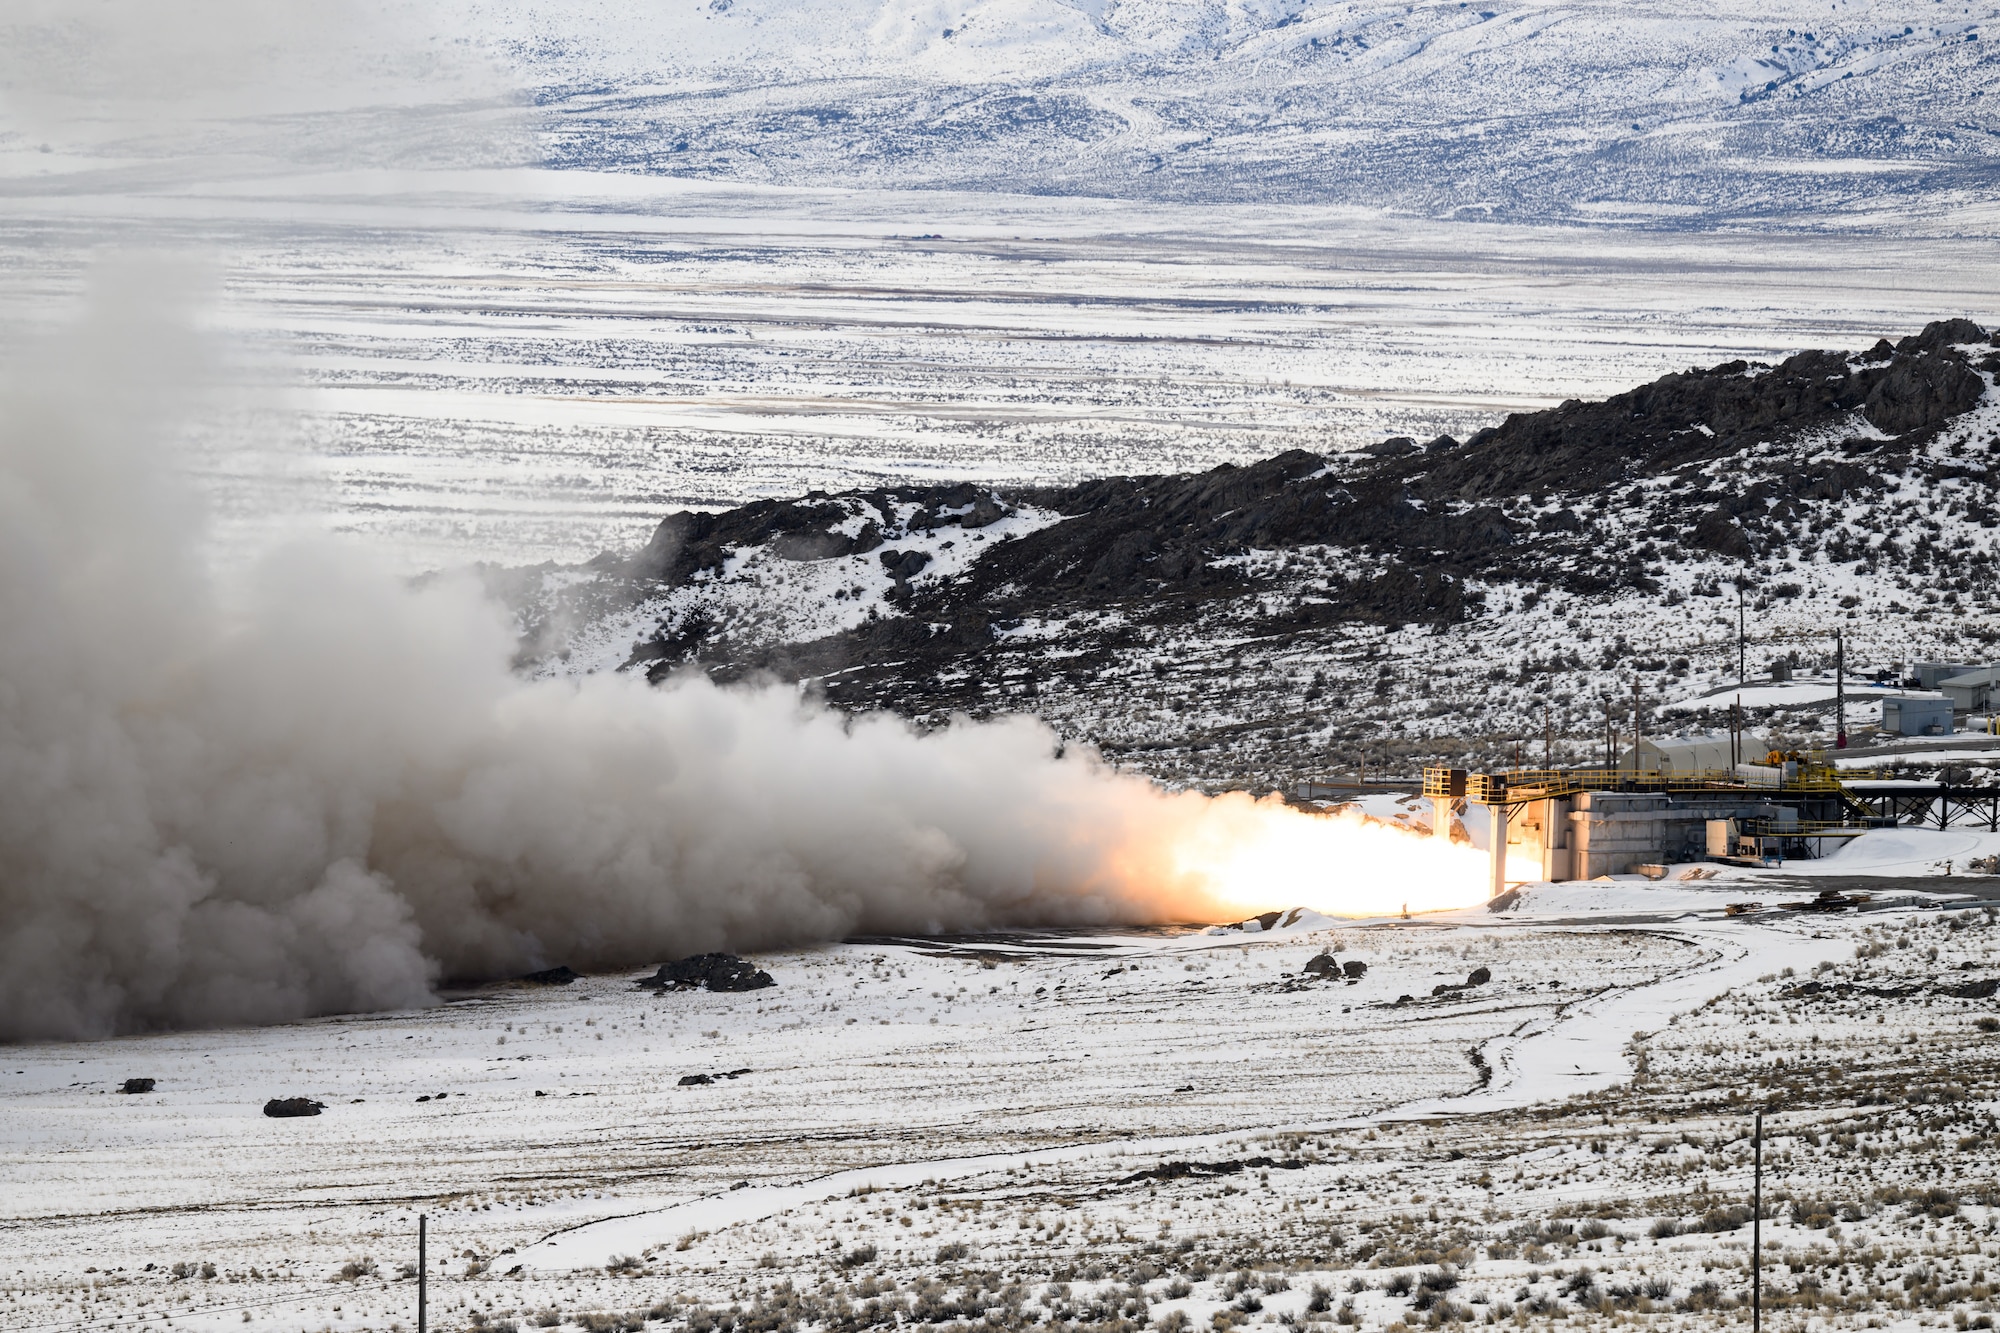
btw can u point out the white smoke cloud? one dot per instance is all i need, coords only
(316, 788)
(325, 790)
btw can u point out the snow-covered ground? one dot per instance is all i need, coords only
(479, 380)
(1161, 246)
(910, 1121)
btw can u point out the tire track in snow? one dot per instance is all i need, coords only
(1579, 1049)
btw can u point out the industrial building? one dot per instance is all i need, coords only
(1583, 823)
(1590, 833)
(1684, 756)
(1579, 824)
(1917, 714)
(1971, 691)
(1930, 675)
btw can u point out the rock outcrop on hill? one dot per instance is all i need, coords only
(1309, 577)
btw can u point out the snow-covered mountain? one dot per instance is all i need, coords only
(1684, 110)
(1674, 112)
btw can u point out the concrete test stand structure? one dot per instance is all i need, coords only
(1583, 823)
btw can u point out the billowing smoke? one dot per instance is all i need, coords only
(316, 788)
(324, 789)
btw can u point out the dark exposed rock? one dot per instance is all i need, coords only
(1323, 965)
(279, 1108)
(1182, 1170)
(819, 544)
(904, 566)
(1922, 391)
(1354, 969)
(962, 505)
(686, 543)
(1941, 334)
(1703, 414)
(698, 1080)
(1479, 977)
(552, 976)
(716, 971)
(1718, 531)
(137, 1085)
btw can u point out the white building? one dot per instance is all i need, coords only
(1688, 756)
(1971, 691)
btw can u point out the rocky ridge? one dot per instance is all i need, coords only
(1316, 613)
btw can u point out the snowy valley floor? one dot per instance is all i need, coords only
(1107, 1130)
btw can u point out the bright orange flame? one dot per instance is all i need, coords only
(1252, 856)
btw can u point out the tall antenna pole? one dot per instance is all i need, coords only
(1635, 723)
(1742, 654)
(1757, 1232)
(1839, 689)
(1548, 740)
(423, 1276)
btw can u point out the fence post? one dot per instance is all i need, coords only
(423, 1275)
(1756, 1232)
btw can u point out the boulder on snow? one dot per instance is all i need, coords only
(137, 1085)
(280, 1108)
(1323, 965)
(551, 976)
(717, 971)
(696, 1080)
(1480, 976)
(1354, 969)
(902, 566)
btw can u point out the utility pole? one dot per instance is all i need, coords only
(1757, 1231)
(423, 1278)
(1635, 723)
(1839, 689)
(1548, 740)
(1742, 652)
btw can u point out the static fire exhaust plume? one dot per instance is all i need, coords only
(325, 790)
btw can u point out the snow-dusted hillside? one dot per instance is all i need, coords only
(1678, 112)
(1402, 604)
(1674, 112)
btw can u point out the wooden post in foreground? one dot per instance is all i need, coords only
(1756, 1230)
(423, 1276)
